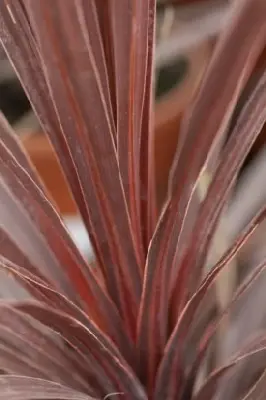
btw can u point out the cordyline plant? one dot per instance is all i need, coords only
(137, 325)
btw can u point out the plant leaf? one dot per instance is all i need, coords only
(21, 355)
(247, 129)
(243, 289)
(173, 352)
(233, 385)
(52, 298)
(31, 207)
(47, 351)
(133, 33)
(86, 134)
(209, 388)
(79, 359)
(205, 124)
(257, 392)
(100, 352)
(21, 388)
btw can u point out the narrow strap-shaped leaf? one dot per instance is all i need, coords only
(14, 387)
(257, 392)
(23, 328)
(173, 352)
(33, 238)
(207, 121)
(103, 14)
(246, 131)
(47, 295)
(13, 362)
(25, 189)
(21, 47)
(11, 252)
(87, 131)
(91, 27)
(91, 342)
(26, 236)
(132, 29)
(209, 387)
(42, 290)
(94, 300)
(79, 351)
(21, 356)
(149, 210)
(243, 289)
(229, 70)
(70, 354)
(233, 385)
(96, 175)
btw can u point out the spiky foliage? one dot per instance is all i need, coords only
(142, 323)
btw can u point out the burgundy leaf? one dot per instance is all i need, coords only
(257, 392)
(209, 388)
(47, 351)
(175, 347)
(20, 388)
(47, 295)
(243, 136)
(230, 68)
(243, 289)
(58, 241)
(133, 32)
(98, 176)
(92, 344)
(146, 323)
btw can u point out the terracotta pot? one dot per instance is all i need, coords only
(45, 162)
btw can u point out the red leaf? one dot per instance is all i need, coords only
(247, 129)
(31, 210)
(98, 176)
(92, 344)
(209, 387)
(230, 68)
(21, 387)
(133, 32)
(176, 344)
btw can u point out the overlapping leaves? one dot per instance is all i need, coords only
(87, 69)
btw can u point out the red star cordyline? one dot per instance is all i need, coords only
(142, 323)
